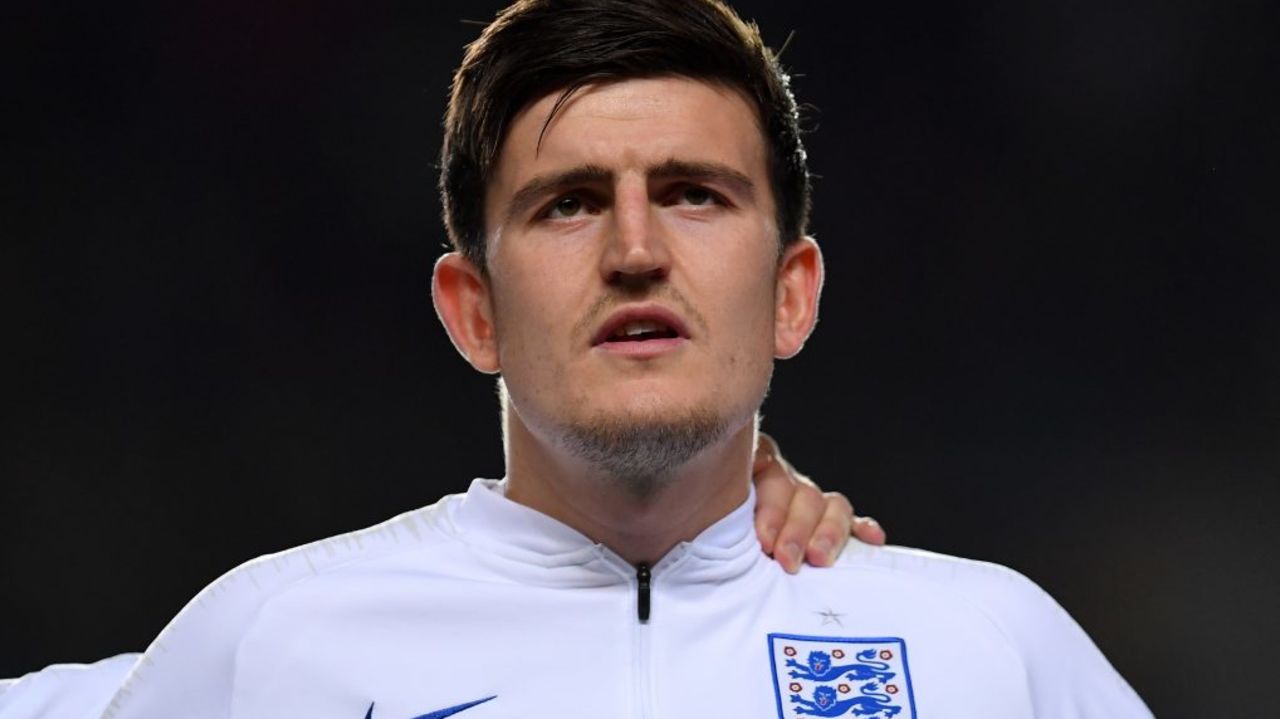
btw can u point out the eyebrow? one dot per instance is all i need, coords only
(533, 190)
(542, 185)
(705, 171)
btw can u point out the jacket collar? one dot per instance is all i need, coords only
(484, 518)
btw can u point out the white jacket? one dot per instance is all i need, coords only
(483, 608)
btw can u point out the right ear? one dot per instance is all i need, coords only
(460, 292)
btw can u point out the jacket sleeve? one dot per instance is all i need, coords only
(1067, 674)
(189, 670)
(65, 691)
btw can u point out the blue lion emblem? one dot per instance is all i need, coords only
(821, 670)
(826, 703)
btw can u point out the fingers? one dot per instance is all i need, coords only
(766, 453)
(869, 530)
(773, 497)
(832, 531)
(795, 520)
(806, 510)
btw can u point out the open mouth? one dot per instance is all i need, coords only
(642, 330)
(640, 325)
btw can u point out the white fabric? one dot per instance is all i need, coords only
(65, 691)
(478, 597)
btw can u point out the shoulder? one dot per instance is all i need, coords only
(1066, 673)
(1000, 601)
(192, 663)
(1013, 604)
(1006, 595)
(240, 593)
(64, 691)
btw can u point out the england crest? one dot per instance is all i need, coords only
(841, 676)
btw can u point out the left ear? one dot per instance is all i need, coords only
(799, 286)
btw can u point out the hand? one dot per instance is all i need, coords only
(796, 520)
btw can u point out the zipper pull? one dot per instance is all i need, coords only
(642, 586)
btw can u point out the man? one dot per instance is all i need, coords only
(627, 192)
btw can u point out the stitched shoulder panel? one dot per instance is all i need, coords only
(189, 669)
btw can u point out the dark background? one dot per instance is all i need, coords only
(1049, 333)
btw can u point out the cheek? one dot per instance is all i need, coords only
(744, 290)
(744, 298)
(525, 287)
(535, 310)
(519, 321)
(526, 354)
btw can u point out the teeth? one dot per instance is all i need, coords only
(631, 329)
(638, 328)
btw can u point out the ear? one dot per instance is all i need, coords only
(465, 307)
(799, 286)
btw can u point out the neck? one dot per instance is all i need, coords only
(549, 479)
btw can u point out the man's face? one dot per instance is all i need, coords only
(633, 255)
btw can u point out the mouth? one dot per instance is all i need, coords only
(641, 331)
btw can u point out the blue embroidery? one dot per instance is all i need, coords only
(820, 669)
(864, 677)
(825, 704)
(440, 713)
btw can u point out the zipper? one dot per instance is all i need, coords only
(643, 659)
(643, 592)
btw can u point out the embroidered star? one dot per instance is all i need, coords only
(830, 617)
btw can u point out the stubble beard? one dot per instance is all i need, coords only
(643, 456)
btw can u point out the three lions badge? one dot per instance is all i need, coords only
(841, 677)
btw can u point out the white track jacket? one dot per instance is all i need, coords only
(483, 608)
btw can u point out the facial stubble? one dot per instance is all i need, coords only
(644, 455)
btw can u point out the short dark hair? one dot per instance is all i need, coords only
(535, 47)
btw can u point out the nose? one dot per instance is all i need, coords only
(636, 251)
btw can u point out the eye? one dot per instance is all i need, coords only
(697, 196)
(567, 206)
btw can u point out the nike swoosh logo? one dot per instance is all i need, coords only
(440, 713)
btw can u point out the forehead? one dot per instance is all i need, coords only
(626, 126)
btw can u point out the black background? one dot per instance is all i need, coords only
(1048, 339)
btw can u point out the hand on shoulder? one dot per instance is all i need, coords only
(798, 522)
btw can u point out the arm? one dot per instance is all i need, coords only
(796, 521)
(64, 691)
(1066, 674)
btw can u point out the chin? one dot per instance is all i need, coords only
(644, 450)
(648, 405)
